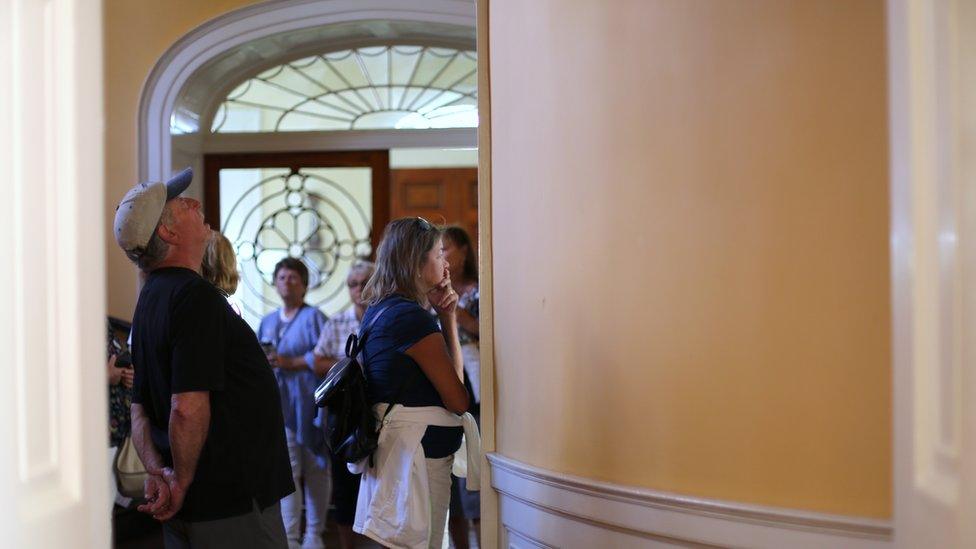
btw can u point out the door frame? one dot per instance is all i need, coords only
(932, 116)
(54, 471)
(377, 160)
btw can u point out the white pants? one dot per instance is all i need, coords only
(317, 491)
(472, 364)
(439, 481)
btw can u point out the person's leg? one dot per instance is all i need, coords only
(345, 490)
(272, 529)
(175, 534)
(318, 491)
(439, 483)
(258, 529)
(471, 507)
(291, 505)
(457, 523)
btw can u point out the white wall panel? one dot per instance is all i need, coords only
(53, 484)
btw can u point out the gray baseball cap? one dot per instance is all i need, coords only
(138, 214)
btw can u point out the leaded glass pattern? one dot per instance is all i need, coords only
(321, 216)
(383, 87)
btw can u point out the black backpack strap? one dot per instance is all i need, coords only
(355, 344)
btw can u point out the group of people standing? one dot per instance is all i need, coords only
(224, 419)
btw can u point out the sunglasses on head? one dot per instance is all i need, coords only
(424, 224)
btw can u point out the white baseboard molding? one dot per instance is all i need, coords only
(540, 508)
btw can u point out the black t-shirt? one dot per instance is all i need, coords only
(187, 338)
(388, 367)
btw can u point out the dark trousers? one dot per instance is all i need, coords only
(260, 529)
(345, 492)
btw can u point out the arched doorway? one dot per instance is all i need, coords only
(340, 83)
(187, 77)
(182, 88)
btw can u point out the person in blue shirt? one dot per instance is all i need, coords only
(289, 335)
(410, 359)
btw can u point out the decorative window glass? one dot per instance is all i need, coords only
(321, 216)
(385, 87)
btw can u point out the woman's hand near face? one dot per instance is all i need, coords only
(443, 297)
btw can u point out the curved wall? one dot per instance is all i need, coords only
(691, 284)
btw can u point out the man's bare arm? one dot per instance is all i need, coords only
(156, 491)
(143, 440)
(189, 422)
(323, 364)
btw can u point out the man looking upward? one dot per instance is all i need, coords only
(206, 414)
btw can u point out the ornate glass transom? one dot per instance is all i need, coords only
(386, 87)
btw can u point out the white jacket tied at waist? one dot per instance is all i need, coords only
(394, 497)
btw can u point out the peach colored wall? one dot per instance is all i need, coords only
(690, 246)
(136, 33)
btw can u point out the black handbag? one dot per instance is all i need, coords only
(351, 432)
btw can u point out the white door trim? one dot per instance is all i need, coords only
(933, 252)
(238, 27)
(54, 485)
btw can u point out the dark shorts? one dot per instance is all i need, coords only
(464, 503)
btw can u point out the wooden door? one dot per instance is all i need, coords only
(441, 195)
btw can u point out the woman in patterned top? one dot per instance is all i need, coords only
(459, 253)
(328, 351)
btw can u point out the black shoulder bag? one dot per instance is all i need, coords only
(351, 432)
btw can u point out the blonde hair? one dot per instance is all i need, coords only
(220, 264)
(399, 259)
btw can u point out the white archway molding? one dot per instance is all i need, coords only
(220, 35)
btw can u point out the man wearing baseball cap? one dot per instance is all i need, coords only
(206, 414)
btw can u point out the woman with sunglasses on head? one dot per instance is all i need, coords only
(414, 364)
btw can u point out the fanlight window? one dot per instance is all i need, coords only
(388, 87)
